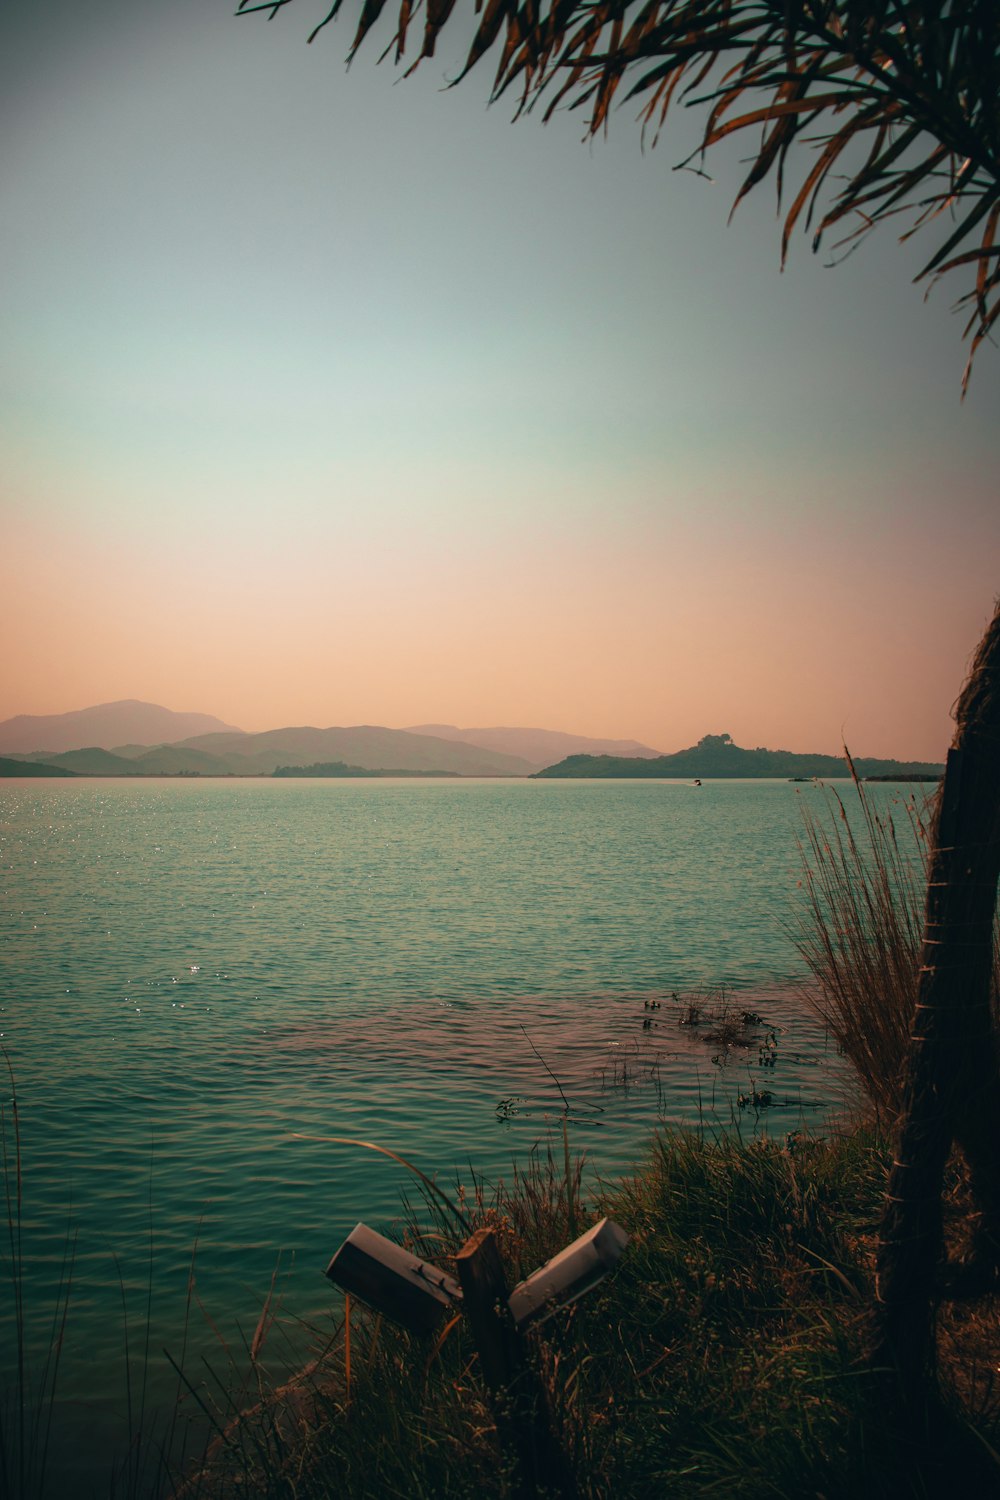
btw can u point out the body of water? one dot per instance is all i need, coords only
(198, 974)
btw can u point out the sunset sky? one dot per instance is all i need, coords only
(333, 399)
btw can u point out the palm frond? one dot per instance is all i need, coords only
(901, 96)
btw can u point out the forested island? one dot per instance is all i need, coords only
(335, 768)
(715, 755)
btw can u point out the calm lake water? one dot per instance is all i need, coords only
(195, 974)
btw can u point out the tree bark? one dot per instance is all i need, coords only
(952, 1083)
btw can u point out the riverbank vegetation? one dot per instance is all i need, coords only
(727, 1353)
(736, 1347)
(732, 1348)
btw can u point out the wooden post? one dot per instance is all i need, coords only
(517, 1396)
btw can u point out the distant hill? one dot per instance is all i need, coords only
(362, 748)
(10, 767)
(716, 756)
(368, 746)
(163, 760)
(538, 747)
(93, 761)
(171, 760)
(105, 725)
(339, 770)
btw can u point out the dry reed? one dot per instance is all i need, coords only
(861, 929)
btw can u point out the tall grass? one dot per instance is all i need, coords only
(865, 883)
(861, 933)
(725, 1355)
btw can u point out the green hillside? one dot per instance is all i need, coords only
(93, 762)
(715, 755)
(10, 767)
(360, 749)
(370, 747)
(176, 760)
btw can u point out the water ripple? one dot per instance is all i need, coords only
(196, 974)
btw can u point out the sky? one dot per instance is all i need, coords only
(331, 398)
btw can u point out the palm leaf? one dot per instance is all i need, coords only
(922, 77)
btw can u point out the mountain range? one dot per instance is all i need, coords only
(160, 742)
(106, 725)
(369, 747)
(133, 738)
(541, 745)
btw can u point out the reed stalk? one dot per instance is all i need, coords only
(861, 931)
(28, 1401)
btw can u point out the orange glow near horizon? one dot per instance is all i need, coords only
(466, 424)
(603, 629)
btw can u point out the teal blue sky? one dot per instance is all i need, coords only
(328, 397)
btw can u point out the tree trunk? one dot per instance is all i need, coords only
(952, 1084)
